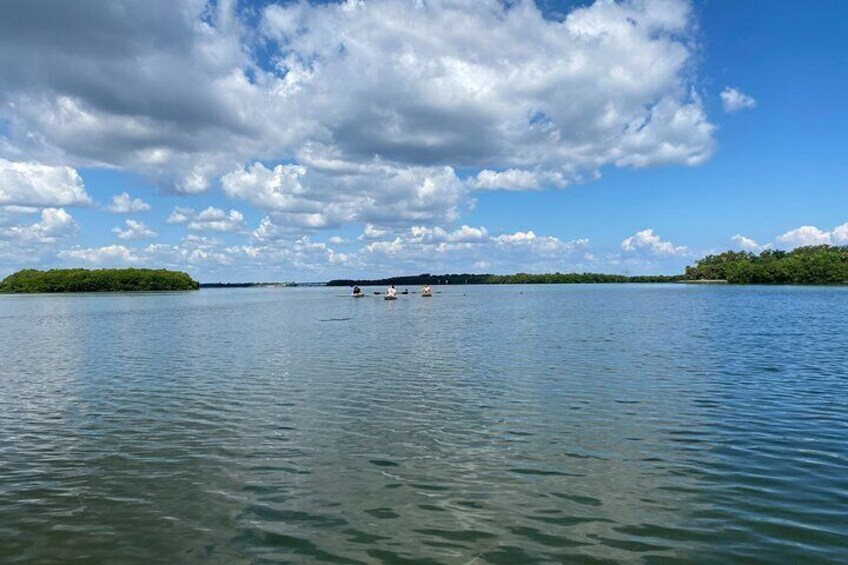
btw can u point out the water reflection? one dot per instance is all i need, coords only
(507, 424)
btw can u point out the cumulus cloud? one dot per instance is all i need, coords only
(322, 115)
(34, 184)
(11, 214)
(210, 219)
(517, 179)
(55, 223)
(539, 244)
(110, 254)
(437, 248)
(372, 120)
(746, 243)
(647, 241)
(24, 243)
(134, 230)
(734, 100)
(191, 252)
(124, 204)
(417, 249)
(370, 231)
(482, 83)
(464, 234)
(412, 250)
(811, 235)
(326, 193)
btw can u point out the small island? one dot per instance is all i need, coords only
(97, 280)
(818, 264)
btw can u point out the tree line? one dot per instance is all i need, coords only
(820, 264)
(519, 278)
(97, 280)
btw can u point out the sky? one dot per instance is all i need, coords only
(274, 141)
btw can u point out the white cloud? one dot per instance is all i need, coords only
(10, 215)
(647, 240)
(811, 235)
(414, 250)
(373, 232)
(481, 83)
(372, 120)
(278, 189)
(540, 244)
(34, 184)
(134, 230)
(326, 193)
(337, 240)
(323, 115)
(111, 254)
(839, 234)
(734, 100)
(180, 215)
(124, 204)
(748, 244)
(434, 249)
(55, 223)
(269, 231)
(192, 251)
(210, 219)
(518, 179)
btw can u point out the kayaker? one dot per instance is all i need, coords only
(391, 291)
(356, 290)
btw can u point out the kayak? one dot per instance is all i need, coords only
(426, 294)
(390, 297)
(359, 295)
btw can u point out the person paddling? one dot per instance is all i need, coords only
(425, 290)
(356, 290)
(391, 291)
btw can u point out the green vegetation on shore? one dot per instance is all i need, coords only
(520, 278)
(98, 280)
(821, 264)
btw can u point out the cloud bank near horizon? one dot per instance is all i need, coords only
(387, 114)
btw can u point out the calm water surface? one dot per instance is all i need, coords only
(487, 424)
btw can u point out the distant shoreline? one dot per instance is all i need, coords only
(520, 278)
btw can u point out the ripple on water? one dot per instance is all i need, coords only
(563, 424)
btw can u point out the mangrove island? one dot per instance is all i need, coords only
(820, 264)
(97, 280)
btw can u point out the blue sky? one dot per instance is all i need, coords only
(298, 141)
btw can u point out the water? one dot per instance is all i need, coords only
(488, 424)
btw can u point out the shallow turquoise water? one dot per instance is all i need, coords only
(658, 423)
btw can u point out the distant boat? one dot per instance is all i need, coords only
(389, 297)
(405, 292)
(426, 294)
(358, 294)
